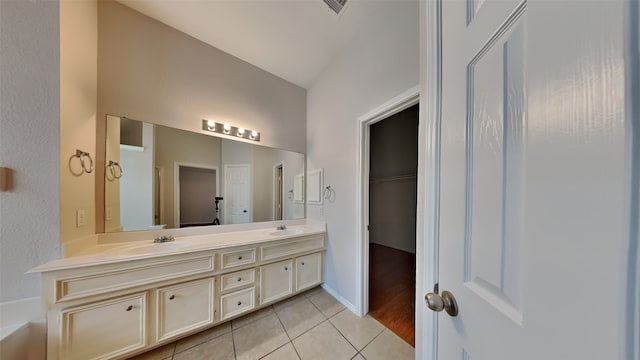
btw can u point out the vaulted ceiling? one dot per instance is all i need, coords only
(292, 39)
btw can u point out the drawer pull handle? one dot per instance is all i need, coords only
(172, 297)
(130, 308)
(239, 279)
(240, 257)
(239, 303)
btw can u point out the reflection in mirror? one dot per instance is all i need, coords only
(172, 178)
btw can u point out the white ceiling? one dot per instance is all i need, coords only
(292, 39)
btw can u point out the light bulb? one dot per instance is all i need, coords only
(227, 128)
(254, 135)
(211, 124)
(240, 131)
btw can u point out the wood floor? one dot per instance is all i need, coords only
(392, 280)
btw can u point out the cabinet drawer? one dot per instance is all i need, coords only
(308, 271)
(237, 303)
(105, 329)
(91, 284)
(237, 258)
(184, 307)
(237, 279)
(276, 281)
(291, 248)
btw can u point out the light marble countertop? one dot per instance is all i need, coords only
(114, 252)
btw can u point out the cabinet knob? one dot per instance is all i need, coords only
(239, 279)
(239, 303)
(302, 263)
(172, 297)
(240, 257)
(286, 268)
(130, 307)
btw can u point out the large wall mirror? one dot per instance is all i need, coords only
(159, 177)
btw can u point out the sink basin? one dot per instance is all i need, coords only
(286, 232)
(151, 248)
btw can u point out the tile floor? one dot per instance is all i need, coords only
(309, 326)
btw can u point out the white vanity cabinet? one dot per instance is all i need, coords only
(118, 307)
(276, 281)
(103, 330)
(184, 307)
(308, 271)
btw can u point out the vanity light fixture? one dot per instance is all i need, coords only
(228, 129)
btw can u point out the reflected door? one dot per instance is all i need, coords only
(237, 194)
(534, 180)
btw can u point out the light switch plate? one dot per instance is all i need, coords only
(80, 218)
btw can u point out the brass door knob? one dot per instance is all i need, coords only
(446, 302)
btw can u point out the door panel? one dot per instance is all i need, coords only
(494, 127)
(237, 194)
(534, 179)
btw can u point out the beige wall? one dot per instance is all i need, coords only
(151, 72)
(78, 102)
(112, 185)
(262, 174)
(181, 146)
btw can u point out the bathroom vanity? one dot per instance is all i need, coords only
(121, 299)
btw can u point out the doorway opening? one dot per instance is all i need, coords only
(197, 188)
(278, 190)
(393, 165)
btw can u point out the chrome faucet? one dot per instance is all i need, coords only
(163, 239)
(282, 227)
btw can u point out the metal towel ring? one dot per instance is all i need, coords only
(82, 155)
(116, 174)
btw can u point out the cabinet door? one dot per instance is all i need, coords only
(276, 281)
(105, 329)
(184, 307)
(308, 271)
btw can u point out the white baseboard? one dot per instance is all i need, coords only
(26, 342)
(14, 314)
(342, 300)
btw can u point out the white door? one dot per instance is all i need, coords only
(237, 194)
(535, 180)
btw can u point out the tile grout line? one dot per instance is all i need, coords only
(204, 342)
(233, 341)
(288, 337)
(341, 334)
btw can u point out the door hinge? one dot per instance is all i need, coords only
(368, 227)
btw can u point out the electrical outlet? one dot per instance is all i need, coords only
(80, 218)
(107, 214)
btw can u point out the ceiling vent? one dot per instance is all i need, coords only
(336, 5)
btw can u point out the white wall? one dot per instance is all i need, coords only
(293, 165)
(29, 143)
(380, 61)
(136, 184)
